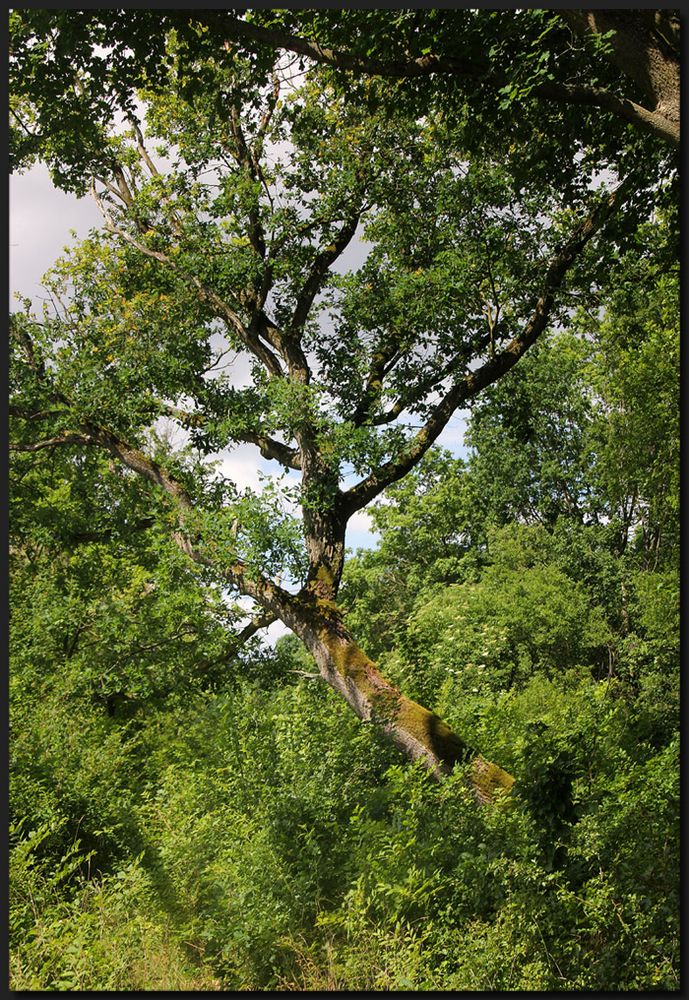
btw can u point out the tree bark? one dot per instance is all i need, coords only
(645, 47)
(418, 733)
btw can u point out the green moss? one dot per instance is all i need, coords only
(352, 662)
(392, 709)
(432, 732)
(489, 780)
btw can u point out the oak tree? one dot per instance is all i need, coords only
(217, 299)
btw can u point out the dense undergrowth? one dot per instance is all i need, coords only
(264, 839)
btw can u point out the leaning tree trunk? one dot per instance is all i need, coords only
(418, 733)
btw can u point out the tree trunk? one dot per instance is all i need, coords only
(645, 47)
(418, 733)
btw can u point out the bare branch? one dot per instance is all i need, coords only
(124, 190)
(67, 438)
(114, 190)
(308, 675)
(143, 152)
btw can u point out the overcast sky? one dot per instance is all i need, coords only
(41, 218)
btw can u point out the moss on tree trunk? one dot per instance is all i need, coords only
(417, 732)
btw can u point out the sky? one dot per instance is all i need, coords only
(42, 220)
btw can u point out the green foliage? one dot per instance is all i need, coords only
(636, 373)
(190, 813)
(586, 428)
(525, 615)
(431, 535)
(284, 843)
(504, 55)
(103, 933)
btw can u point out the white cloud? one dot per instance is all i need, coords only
(361, 521)
(360, 532)
(275, 632)
(242, 465)
(40, 220)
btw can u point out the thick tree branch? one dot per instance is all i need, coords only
(643, 46)
(244, 158)
(143, 152)
(243, 31)
(656, 120)
(286, 344)
(633, 47)
(622, 107)
(114, 190)
(60, 440)
(269, 447)
(254, 626)
(19, 411)
(382, 363)
(417, 390)
(95, 434)
(140, 463)
(125, 193)
(320, 266)
(264, 591)
(361, 494)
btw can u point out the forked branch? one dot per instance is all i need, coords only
(472, 383)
